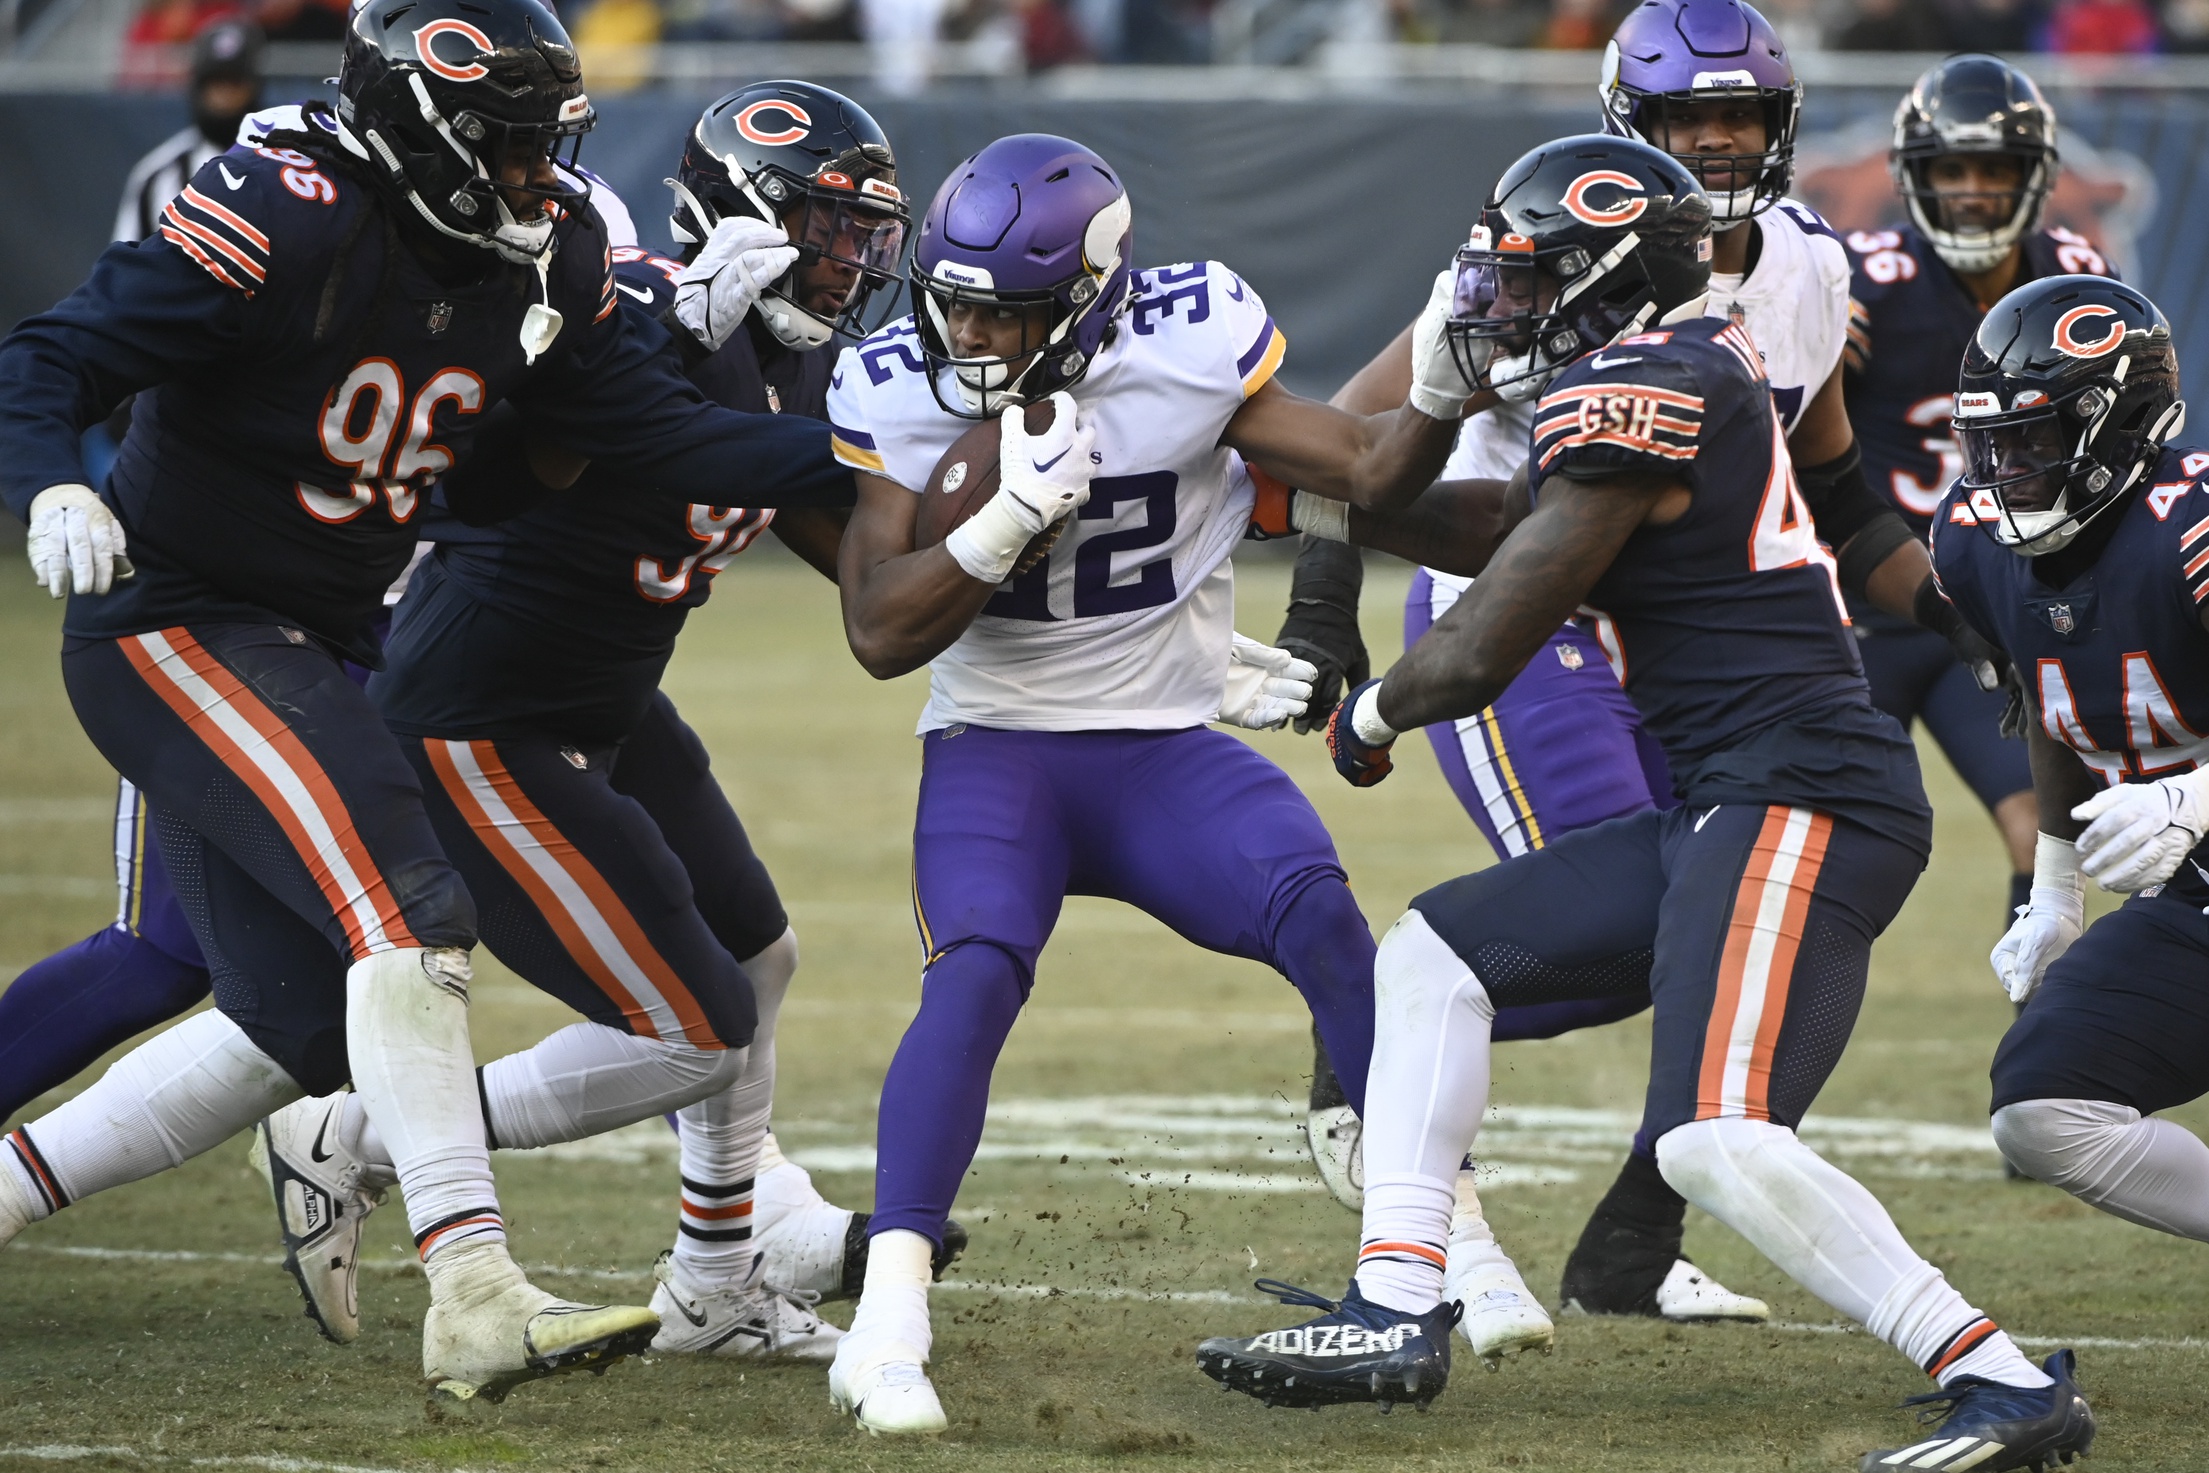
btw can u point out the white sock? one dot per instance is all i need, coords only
(181, 1092)
(1829, 1234)
(582, 1081)
(722, 1137)
(2152, 1172)
(406, 1030)
(1424, 1096)
(893, 1304)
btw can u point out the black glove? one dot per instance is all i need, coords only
(1989, 665)
(2013, 710)
(1322, 625)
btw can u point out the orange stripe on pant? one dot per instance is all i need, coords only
(629, 935)
(1757, 967)
(347, 897)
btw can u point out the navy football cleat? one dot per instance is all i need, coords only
(1357, 1351)
(1990, 1427)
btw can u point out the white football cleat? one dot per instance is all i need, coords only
(809, 1244)
(16, 1208)
(1501, 1316)
(321, 1202)
(1690, 1295)
(751, 1320)
(1336, 1139)
(885, 1388)
(496, 1330)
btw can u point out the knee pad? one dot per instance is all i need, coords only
(1415, 971)
(2060, 1141)
(771, 970)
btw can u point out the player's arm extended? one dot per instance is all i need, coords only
(1452, 527)
(1377, 461)
(815, 534)
(1385, 382)
(901, 608)
(1537, 579)
(2061, 782)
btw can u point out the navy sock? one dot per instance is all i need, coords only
(1325, 947)
(64, 1012)
(937, 1090)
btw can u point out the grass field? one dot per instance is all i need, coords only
(1140, 1168)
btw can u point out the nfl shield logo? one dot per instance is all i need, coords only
(2059, 618)
(439, 318)
(1569, 656)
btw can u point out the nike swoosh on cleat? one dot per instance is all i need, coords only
(316, 1150)
(229, 178)
(694, 1316)
(635, 291)
(1043, 465)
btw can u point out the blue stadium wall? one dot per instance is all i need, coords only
(1338, 211)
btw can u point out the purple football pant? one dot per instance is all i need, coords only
(1561, 749)
(1191, 827)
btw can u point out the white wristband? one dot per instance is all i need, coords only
(1320, 516)
(2056, 866)
(987, 544)
(1448, 408)
(1365, 719)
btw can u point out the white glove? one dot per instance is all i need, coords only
(75, 543)
(1438, 386)
(1041, 480)
(2045, 927)
(2138, 833)
(1265, 686)
(741, 259)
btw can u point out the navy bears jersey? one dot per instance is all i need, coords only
(1910, 318)
(2117, 660)
(560, 620)
(1725, 625)
(303, 378)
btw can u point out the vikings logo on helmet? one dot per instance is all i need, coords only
(1627, 210)
(2066, 336)
(748, 124)
(425, 45)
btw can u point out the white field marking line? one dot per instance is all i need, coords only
(68, 1452)
(399, 1263)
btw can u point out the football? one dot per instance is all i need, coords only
(966, 478)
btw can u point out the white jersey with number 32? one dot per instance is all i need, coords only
(1127, 625)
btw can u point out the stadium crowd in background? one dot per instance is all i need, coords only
(1052, 33)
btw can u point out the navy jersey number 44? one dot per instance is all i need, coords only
(2117, 659)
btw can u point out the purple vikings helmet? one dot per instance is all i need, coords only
(1030, 220)
(1670, 52)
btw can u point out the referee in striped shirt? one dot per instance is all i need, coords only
(226, 85)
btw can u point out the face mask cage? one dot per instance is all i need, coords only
(1518, 315)
(987, 385)
(1937, 212)
(2023, 465)
(491, 145)
(861, 242)
(1753, 182)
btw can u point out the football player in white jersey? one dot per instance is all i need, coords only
(1709, 82)
(1065, 745)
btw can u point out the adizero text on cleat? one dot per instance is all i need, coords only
(1990, 1427)
(321, 1203)
(1357, 1351)
(749, 1319)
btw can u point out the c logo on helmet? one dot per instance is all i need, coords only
(2067, 341)
(466, 72)
(1625, 212)
(778, 136)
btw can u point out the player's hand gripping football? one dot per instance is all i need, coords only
(1359, 740)
(76, 544)
(1265, 686)
(1041, 480)
(2047, 925)
(740, 260)
(2137, 834)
